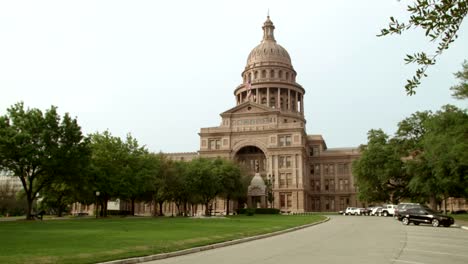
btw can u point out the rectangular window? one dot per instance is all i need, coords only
(340, 168)
(288, 161)
(282, 200)
(283, 180)
(332, 185)
(315, 151)
(214, 143)
(289, 179)
(346, 185)
(346, 168)
(331, 169)
(317, 185)
(326, 185)
(341, 185)
(284, 140)
(325, 169)
(281, 161)
(317, 169)
(289, 200)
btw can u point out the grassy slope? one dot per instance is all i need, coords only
(90, 240)
(460, 218)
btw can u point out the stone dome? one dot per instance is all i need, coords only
(268, 50)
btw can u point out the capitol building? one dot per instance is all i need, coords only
(266, 132)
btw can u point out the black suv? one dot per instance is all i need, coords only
(425, 216)
(402, 207)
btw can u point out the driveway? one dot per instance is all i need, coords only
(345, 239)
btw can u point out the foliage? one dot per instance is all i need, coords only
(443, 163)
(425, 161)
(203, 176)
(379, 172)
(57, 198)
(460, 91)
(258, 211)
(440, 20)
(41, 148)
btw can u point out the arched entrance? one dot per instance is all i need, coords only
(252, 159)
(254, 162)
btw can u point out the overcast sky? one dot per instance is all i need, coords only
(161, 70)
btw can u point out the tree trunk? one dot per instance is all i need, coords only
(445, 205)
(30, 207)
(227, 205)
(207, 210)
(133, 207)
(155, 208)
(433, 202)
(160, 209)
(60, 206)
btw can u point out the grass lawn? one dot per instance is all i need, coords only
(94, 240)
(460, 217)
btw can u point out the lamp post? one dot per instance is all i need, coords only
(97, 206)
(270, 185)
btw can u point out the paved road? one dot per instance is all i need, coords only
(345, 239)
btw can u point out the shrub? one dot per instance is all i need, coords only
(251, 211)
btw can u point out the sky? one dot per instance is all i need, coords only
(161, 70)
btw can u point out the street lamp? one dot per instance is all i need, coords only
(97, 196)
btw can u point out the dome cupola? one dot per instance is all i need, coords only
(268, 50)
(269, 78)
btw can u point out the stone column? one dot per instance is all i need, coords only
(300, 172)
(256, 96)
(294, 170)
(302, 104)
(268, 96)
(278, 101)
(296, 99)
(275, 169)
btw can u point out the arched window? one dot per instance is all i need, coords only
(250, 77)
(264, 100)
(287, 76)
(255, 75)
(280, 74)
(263, 74)
(272, 74)
(273, 102)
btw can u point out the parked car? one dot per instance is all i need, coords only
(352, 211)
(402, 207)
(388, 209)
(376, 211)
(426, 216)
(365, 211)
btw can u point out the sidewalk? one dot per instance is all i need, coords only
(462, 224)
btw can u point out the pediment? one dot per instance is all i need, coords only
(248, 108)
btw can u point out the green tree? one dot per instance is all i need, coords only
(57, 198)
(132, 186)
(41, 148)
(109, 167)
(460, 91)
(440, 20)
(230, 178)
(205, 181)
(441, 169)
(379, 172)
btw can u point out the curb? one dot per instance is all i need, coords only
(464, 227)
(208, 247)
